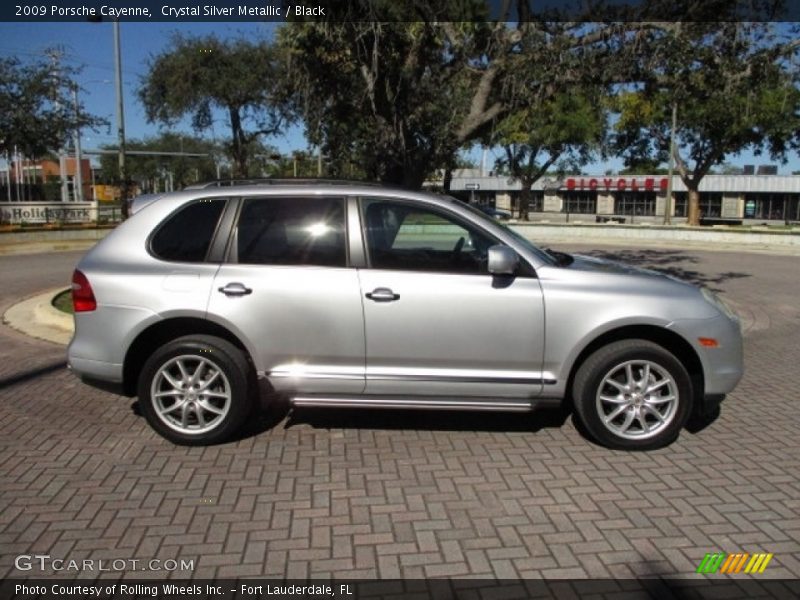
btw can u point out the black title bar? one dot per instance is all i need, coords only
(398, 10)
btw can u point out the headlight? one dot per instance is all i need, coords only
(712, 298)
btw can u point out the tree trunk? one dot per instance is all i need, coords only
(693, 208)
(238, 145)
(524, 199)
(448, 179)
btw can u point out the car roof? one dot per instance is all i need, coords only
(271, 181)
(312, 187)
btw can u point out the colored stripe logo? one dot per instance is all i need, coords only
(741, 562)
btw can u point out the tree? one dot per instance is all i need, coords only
(148, 170)
(733, 87)
(37, 109)
(402, 93)
(201, 74)
(563, 130)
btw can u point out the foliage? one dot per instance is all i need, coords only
(154, 170)
(401, 98)
(734, 87)
(201, 74)
(37, 109)
(564, 130)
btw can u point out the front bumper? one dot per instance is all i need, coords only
(723, 366)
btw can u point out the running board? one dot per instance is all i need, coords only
(429, 403)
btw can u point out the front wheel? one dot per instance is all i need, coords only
(194, 390)
(633, 395)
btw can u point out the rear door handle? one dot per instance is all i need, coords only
(236, 289)
(382, 294)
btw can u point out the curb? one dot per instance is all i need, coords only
(27, 247)
(37, 317)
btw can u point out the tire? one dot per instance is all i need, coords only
(619, 409)
(195, 390)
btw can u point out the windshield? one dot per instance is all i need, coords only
(541, 254)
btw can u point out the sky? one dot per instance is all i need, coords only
(90, 45)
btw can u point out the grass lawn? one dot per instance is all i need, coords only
(63, 302)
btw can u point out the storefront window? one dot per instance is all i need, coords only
(681, 200)
(579, 202)
(537, 202)
(776, 207)
(710, 204)
(635, 203)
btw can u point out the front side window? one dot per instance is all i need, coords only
(292, 231)
(408, 237)
(186, 235)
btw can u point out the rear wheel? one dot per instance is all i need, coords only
(633, 395)
(194, 390)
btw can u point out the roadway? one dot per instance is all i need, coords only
(321, 494)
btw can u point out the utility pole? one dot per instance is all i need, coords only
(17, 164)
(668, 199)
(78, 195)
(55, 55)
(123, 176)
(8, 176)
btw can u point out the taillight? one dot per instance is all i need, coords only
(82, 294)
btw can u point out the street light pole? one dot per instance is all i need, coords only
(123, 176)
(78, 193)
(668, 199)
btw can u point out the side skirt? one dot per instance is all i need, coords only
(423, 402)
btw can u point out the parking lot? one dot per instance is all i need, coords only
(407, 494)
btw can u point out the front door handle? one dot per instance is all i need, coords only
(235, 289)
(382, 294)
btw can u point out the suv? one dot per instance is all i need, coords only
(335, 294)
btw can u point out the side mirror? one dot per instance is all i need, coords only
(502, 260)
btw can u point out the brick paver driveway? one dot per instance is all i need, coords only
(407, 494)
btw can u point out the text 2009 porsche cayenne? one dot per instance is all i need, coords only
(352, 295)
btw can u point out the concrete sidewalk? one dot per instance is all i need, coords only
(37, 317)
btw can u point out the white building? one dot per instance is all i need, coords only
(640, 198)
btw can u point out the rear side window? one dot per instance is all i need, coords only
(186, 235)
(292, 231)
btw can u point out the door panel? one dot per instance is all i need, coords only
(295, 300)
(436, 322)
(305, 324)
(450, 334)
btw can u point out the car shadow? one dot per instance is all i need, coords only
(676, 263)
(268, 416)
(699, 422)
(427, 420)
(264, 418)
(34, 373)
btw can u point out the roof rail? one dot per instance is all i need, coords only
(215, 183)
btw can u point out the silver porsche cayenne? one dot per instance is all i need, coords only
(335, 294)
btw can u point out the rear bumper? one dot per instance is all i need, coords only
(85, 367)
(96, 352)
(102, 375)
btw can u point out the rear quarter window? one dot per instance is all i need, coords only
(185, 236)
